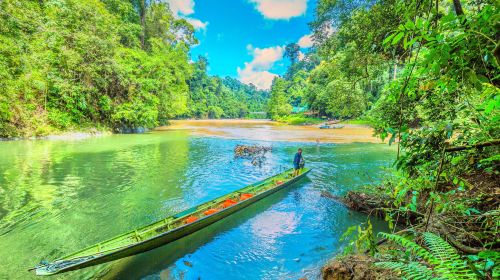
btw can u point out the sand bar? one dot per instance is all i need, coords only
(266, 130)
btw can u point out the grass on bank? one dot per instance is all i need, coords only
(254, 116)
(299, 119)
(361, 121)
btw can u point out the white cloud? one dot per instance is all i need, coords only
(306, 41)
(260, 79)
(265, 58)
(184, 8)
(181, 7)
(197, 24)
(280, 9)
(257, 71)
(301, 55)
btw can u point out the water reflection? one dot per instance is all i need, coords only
(272, 225)
(60, 196)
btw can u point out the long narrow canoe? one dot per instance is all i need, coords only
(171, 228)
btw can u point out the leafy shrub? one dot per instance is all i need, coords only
(59, 119)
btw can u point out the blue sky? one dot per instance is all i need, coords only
(245, 39)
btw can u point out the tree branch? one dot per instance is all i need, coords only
(494, 142)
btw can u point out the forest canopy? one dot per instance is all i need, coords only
(121, 64)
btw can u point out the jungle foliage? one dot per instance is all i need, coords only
(213, 97)
(343, 75)
(123, 64)
(291, 89)
(426, 76)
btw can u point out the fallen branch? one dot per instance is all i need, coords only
(475, 146)
(464, 248)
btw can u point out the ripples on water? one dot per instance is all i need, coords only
(60, 196)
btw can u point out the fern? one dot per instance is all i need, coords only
(450, 265)
(443, 258)
(412, 270)
(439, 248)
(411, 246)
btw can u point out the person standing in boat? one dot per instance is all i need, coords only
(298, 162)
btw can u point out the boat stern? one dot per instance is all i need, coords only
(45, 270)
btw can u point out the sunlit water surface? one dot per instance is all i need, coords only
(60, 196)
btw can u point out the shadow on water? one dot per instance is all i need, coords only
(162, 257)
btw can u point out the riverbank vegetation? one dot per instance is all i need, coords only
(426, 76)
(298, 119)
(119, 64)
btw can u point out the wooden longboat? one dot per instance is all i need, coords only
(171, 228)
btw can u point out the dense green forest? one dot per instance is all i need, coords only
(213, 97)
(426, 75)
(363, 50)
(121, 64)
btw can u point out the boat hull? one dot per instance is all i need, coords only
(169, 236)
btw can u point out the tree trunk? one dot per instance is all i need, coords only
(496, 52)
(142, 15)
(458, 8)
(395, 69)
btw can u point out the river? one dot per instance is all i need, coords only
(58, 196)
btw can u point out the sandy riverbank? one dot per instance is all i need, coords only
(273, 131)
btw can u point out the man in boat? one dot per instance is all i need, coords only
(298, 162)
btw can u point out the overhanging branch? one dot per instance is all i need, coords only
(475, 146)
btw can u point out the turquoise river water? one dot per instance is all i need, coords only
(58, 196)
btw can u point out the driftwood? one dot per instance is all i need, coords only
(248, 151)
(457, 244)
(375, 205)
(256, 153)
(361, 202)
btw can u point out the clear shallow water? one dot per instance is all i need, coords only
(60, 196)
